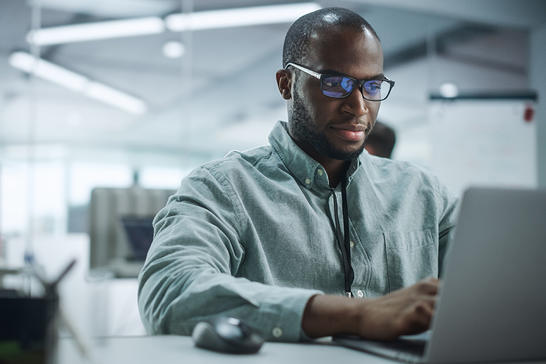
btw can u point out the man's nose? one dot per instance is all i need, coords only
(355, 104)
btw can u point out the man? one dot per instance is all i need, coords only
(381, 140)
(309, 236)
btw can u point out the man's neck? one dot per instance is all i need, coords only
(335, 168)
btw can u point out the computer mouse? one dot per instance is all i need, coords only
(227, 335)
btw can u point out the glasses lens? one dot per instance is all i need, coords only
(376, 89)
(337, 86)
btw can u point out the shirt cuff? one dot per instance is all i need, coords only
(285, 323)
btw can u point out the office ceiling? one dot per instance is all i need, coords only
(221, 94)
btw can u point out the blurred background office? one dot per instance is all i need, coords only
(106, 105)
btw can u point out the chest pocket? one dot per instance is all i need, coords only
(411, 257)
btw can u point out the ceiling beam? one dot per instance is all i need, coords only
(513, 13)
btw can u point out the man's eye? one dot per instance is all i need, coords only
(347, 84)
(373, 86)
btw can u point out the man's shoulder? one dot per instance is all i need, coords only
(397, 170)
(386, 165)
(237, 162)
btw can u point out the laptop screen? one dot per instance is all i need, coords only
(140, 233)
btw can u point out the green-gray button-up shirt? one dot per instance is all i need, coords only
(253, 236)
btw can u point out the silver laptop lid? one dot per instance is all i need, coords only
(493, 298)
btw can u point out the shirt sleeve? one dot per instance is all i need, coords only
(448, 207)
(191, 271)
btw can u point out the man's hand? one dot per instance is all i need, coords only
(403, 312)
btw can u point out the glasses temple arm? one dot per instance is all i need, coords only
(306, 70)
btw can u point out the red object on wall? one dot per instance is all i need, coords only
(528, 113)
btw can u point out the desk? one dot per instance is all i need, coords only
(180, 349)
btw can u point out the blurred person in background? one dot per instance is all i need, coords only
(381, 140)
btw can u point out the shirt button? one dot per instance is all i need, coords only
(320, 172)
(307, 181)
(352, 244)
(277, 332)
(359, 294)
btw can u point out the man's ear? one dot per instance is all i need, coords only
(284, 82)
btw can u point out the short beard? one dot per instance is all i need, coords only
(304, 130)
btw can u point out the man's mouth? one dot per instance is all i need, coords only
(350, 132)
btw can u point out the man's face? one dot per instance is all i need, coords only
(328, 128)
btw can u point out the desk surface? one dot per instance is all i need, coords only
(180, 349)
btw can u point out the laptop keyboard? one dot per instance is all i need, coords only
(408, 349)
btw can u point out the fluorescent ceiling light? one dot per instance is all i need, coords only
(76, 82)
(98, 30)
(48, 71)
(239, 17)
(176, 22)
(115, 97)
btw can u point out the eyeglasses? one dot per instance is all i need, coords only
(339, 86)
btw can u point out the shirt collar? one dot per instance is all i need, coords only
(305, 169)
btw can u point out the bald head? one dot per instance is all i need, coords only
(309, 26)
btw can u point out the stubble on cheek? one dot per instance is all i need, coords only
(305, 130)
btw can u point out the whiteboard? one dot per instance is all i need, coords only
(483, 142)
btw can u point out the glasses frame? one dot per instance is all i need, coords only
(360, 83)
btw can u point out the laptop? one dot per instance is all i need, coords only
(140, 233)
(492, 304)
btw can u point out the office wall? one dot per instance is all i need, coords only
(537, 77)
(489, 143)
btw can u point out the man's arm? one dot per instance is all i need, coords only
(190, 272)
(403, 312)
